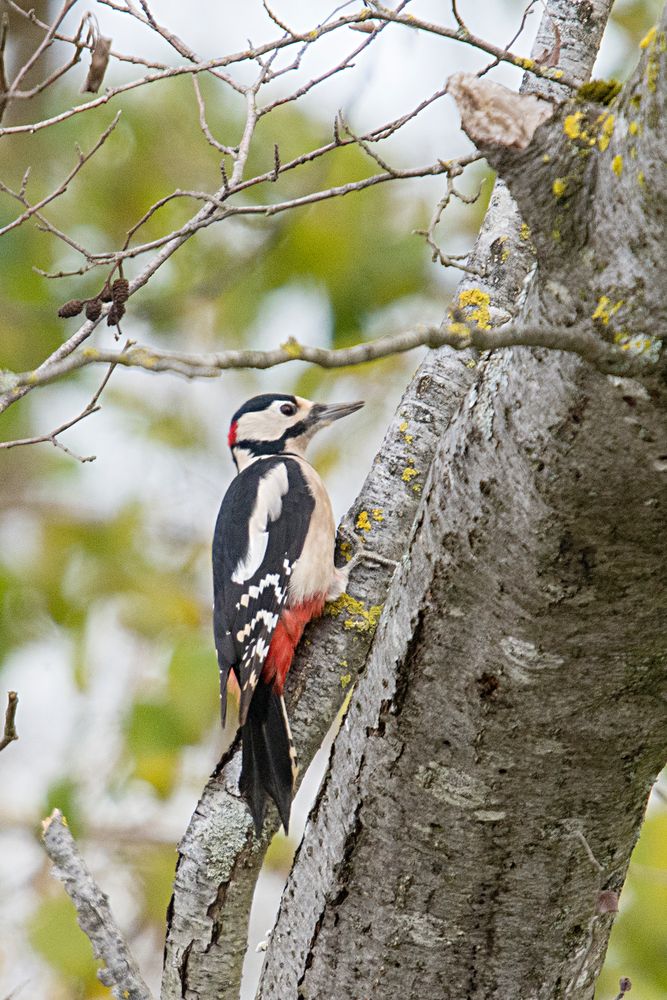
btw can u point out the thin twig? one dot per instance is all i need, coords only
(45, 43)
(204, 126)
(121, 973)
(437, 253)
(270, 48)
(52, 437)
(29, 15)
(515, 37)
(10, 734)
(31, 210)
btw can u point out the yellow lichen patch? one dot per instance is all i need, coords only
(416, 488)
(458, 330)
(572, 125)
(377, 514)
(636, 343)
(363, 521)
(546, 158)
(617, 164)
(555, 235)
(633, 128)
(346, 551)
(601, 311)
(404, 426)
(633, 152)
(475, 297)
(345, 680)
(559, 187)
(599, 91)
(607, 130)
(652, 70)
(604, 310)
(409, 473)
(524, 232)
(648, 38)
(361, 619)
(641, 180)
(470, 363)
(292, 347)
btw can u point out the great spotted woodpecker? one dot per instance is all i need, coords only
(273, 570)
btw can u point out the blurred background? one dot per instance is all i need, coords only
(105, 588)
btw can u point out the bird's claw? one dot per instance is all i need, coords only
(361, 553)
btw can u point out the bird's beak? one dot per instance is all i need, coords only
(323, 414)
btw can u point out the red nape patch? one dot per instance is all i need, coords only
(231, 437)
(286, 637)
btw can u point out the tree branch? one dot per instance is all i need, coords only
(459, 335)
(121, 973)
(35, 209)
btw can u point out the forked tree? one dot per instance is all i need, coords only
(487, 786)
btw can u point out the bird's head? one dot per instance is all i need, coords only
(274, 423)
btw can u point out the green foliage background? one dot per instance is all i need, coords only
(103, 566)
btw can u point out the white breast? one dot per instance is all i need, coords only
(314, 571)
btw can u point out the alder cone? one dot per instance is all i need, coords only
(120, 291)
(93, 309)
(71, 308)
(116, 313)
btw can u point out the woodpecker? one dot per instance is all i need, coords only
(273, 571)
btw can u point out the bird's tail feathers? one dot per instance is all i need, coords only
(269, 762)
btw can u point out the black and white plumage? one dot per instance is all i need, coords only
(253, 559)
(273, 570)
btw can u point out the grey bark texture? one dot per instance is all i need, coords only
(119, 971)
(510, 719)
(512, 701)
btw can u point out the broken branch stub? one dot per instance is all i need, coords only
(492, 115)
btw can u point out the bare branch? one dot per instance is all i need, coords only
(10, 734)
(42, 47)
(437, 253)
(52, 437)
(206, 216)
(121, 974)
(172, 39)
(31, 210)
(203, 123)
(515, 37)
(271, 49)
(30, 15)
(458, 335)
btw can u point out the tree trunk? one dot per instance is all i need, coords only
(489, 782)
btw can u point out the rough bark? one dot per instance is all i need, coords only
(218, 860)
(510, 719)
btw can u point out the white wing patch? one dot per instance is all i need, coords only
(268, 505)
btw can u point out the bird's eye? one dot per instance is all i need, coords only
(289, 409)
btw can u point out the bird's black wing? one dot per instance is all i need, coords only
(259, 535)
